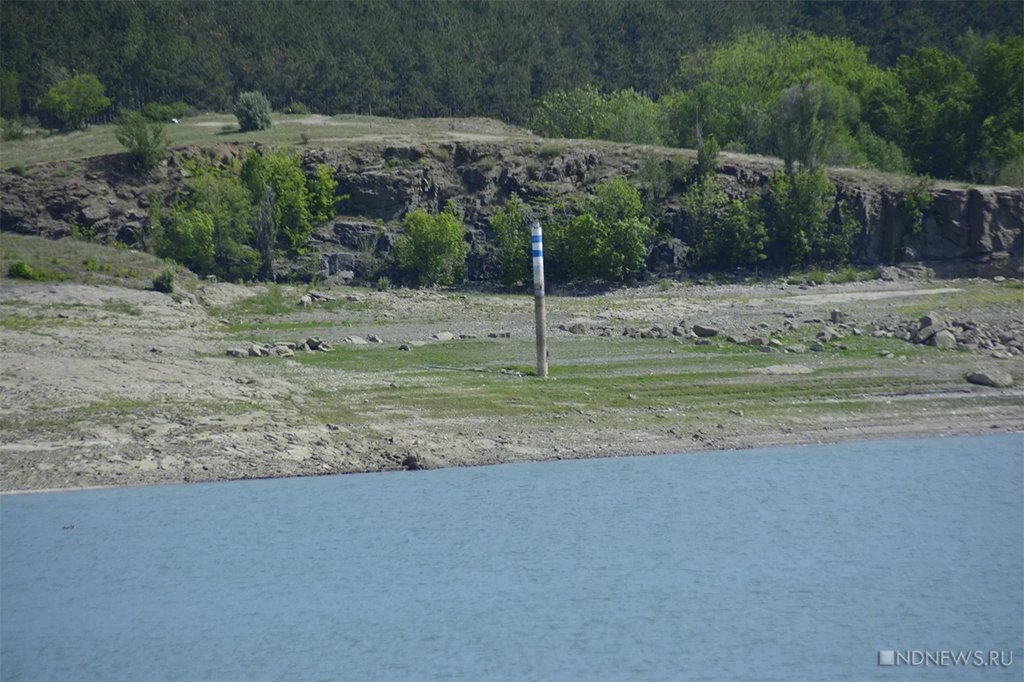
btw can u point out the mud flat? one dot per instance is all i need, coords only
(105, 384)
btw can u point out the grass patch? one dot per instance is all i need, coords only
(70, 259)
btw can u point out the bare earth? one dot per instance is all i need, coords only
(106, 385)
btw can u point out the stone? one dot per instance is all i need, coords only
(355, 341)
(776, 370)
(817, 347)
(324, 347)
(1001, 355)
(577, 328)
(828, 334)
(702, 342)
(995, 378)
(443, 336)
(306, 301)
(313, 343)
(837, 316)
(944, 339)
(704, 332)
(404, 346)
(932, 320)
(236, 353)
(796, 348)
(499, 335)
(373, 338)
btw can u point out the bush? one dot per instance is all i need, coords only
(71, 102)
(145, 140)
(801, 203)
(164, 282)
(433, 249)
(736, 238)
(512, 227)
(188, 239)
(252, 109)
(609, 240)
(628, 116)
(22, 270)
(296, 108)
(165, 113)
(11, 129)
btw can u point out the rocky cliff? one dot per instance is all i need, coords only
(966, 230)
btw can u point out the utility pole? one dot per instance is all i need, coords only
(540, 315)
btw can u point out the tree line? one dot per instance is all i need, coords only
(431, 58)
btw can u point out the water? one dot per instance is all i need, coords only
(796, 563)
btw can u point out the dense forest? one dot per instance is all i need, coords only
(904, 85)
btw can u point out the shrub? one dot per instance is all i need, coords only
(707, 156)
(433, 249)
(11, 129)
(512, 227)
(165, 113)
(22, 270)
(736, 238)
(296, 108)
(383, 283)
(568, 114)
(917, 198)
(10, 98)
(69, 103)
(19, 169)
(145, 140)
(608, 240)
(628, 116)
(188, 239)
(252, 109)
(550, 150)
(164, 282)
(801, 202)
(323, 194)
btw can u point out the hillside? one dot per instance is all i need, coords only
(387, 167)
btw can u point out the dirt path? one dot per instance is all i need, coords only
(105, 385)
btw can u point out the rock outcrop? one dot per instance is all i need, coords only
(965, 231)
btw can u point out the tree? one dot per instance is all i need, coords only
(433, 249)
(252, 109)
(609, 239)
(145, 140)
(10, 99)
(809, 119)
(801, 201)
(512, 227)
(71, 102)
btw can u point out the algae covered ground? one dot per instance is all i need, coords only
(106, 382)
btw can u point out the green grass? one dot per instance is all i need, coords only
(71, 259)
(288, 130)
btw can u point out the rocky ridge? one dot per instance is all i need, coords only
(966, 231)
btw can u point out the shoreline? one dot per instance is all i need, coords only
(106, 386)
(885, 434)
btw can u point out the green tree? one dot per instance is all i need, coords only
(433, 249)
(801, 203)
(188, 238)
(10, 99)
(252, 109)
(512, 227)
(628, 116)
(575, 113)
(145, 140)
(810, 119)
(71, 102)
(941, 92)
(609, 239)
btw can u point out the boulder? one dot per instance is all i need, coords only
(704, 332)
(443, 336)
(944, 339)
(995, 378)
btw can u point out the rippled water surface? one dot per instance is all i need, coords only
(790, 563)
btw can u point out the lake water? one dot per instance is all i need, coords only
(770, 564)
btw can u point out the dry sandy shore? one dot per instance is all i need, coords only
(106, 385)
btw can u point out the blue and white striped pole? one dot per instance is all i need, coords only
(537, 244)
